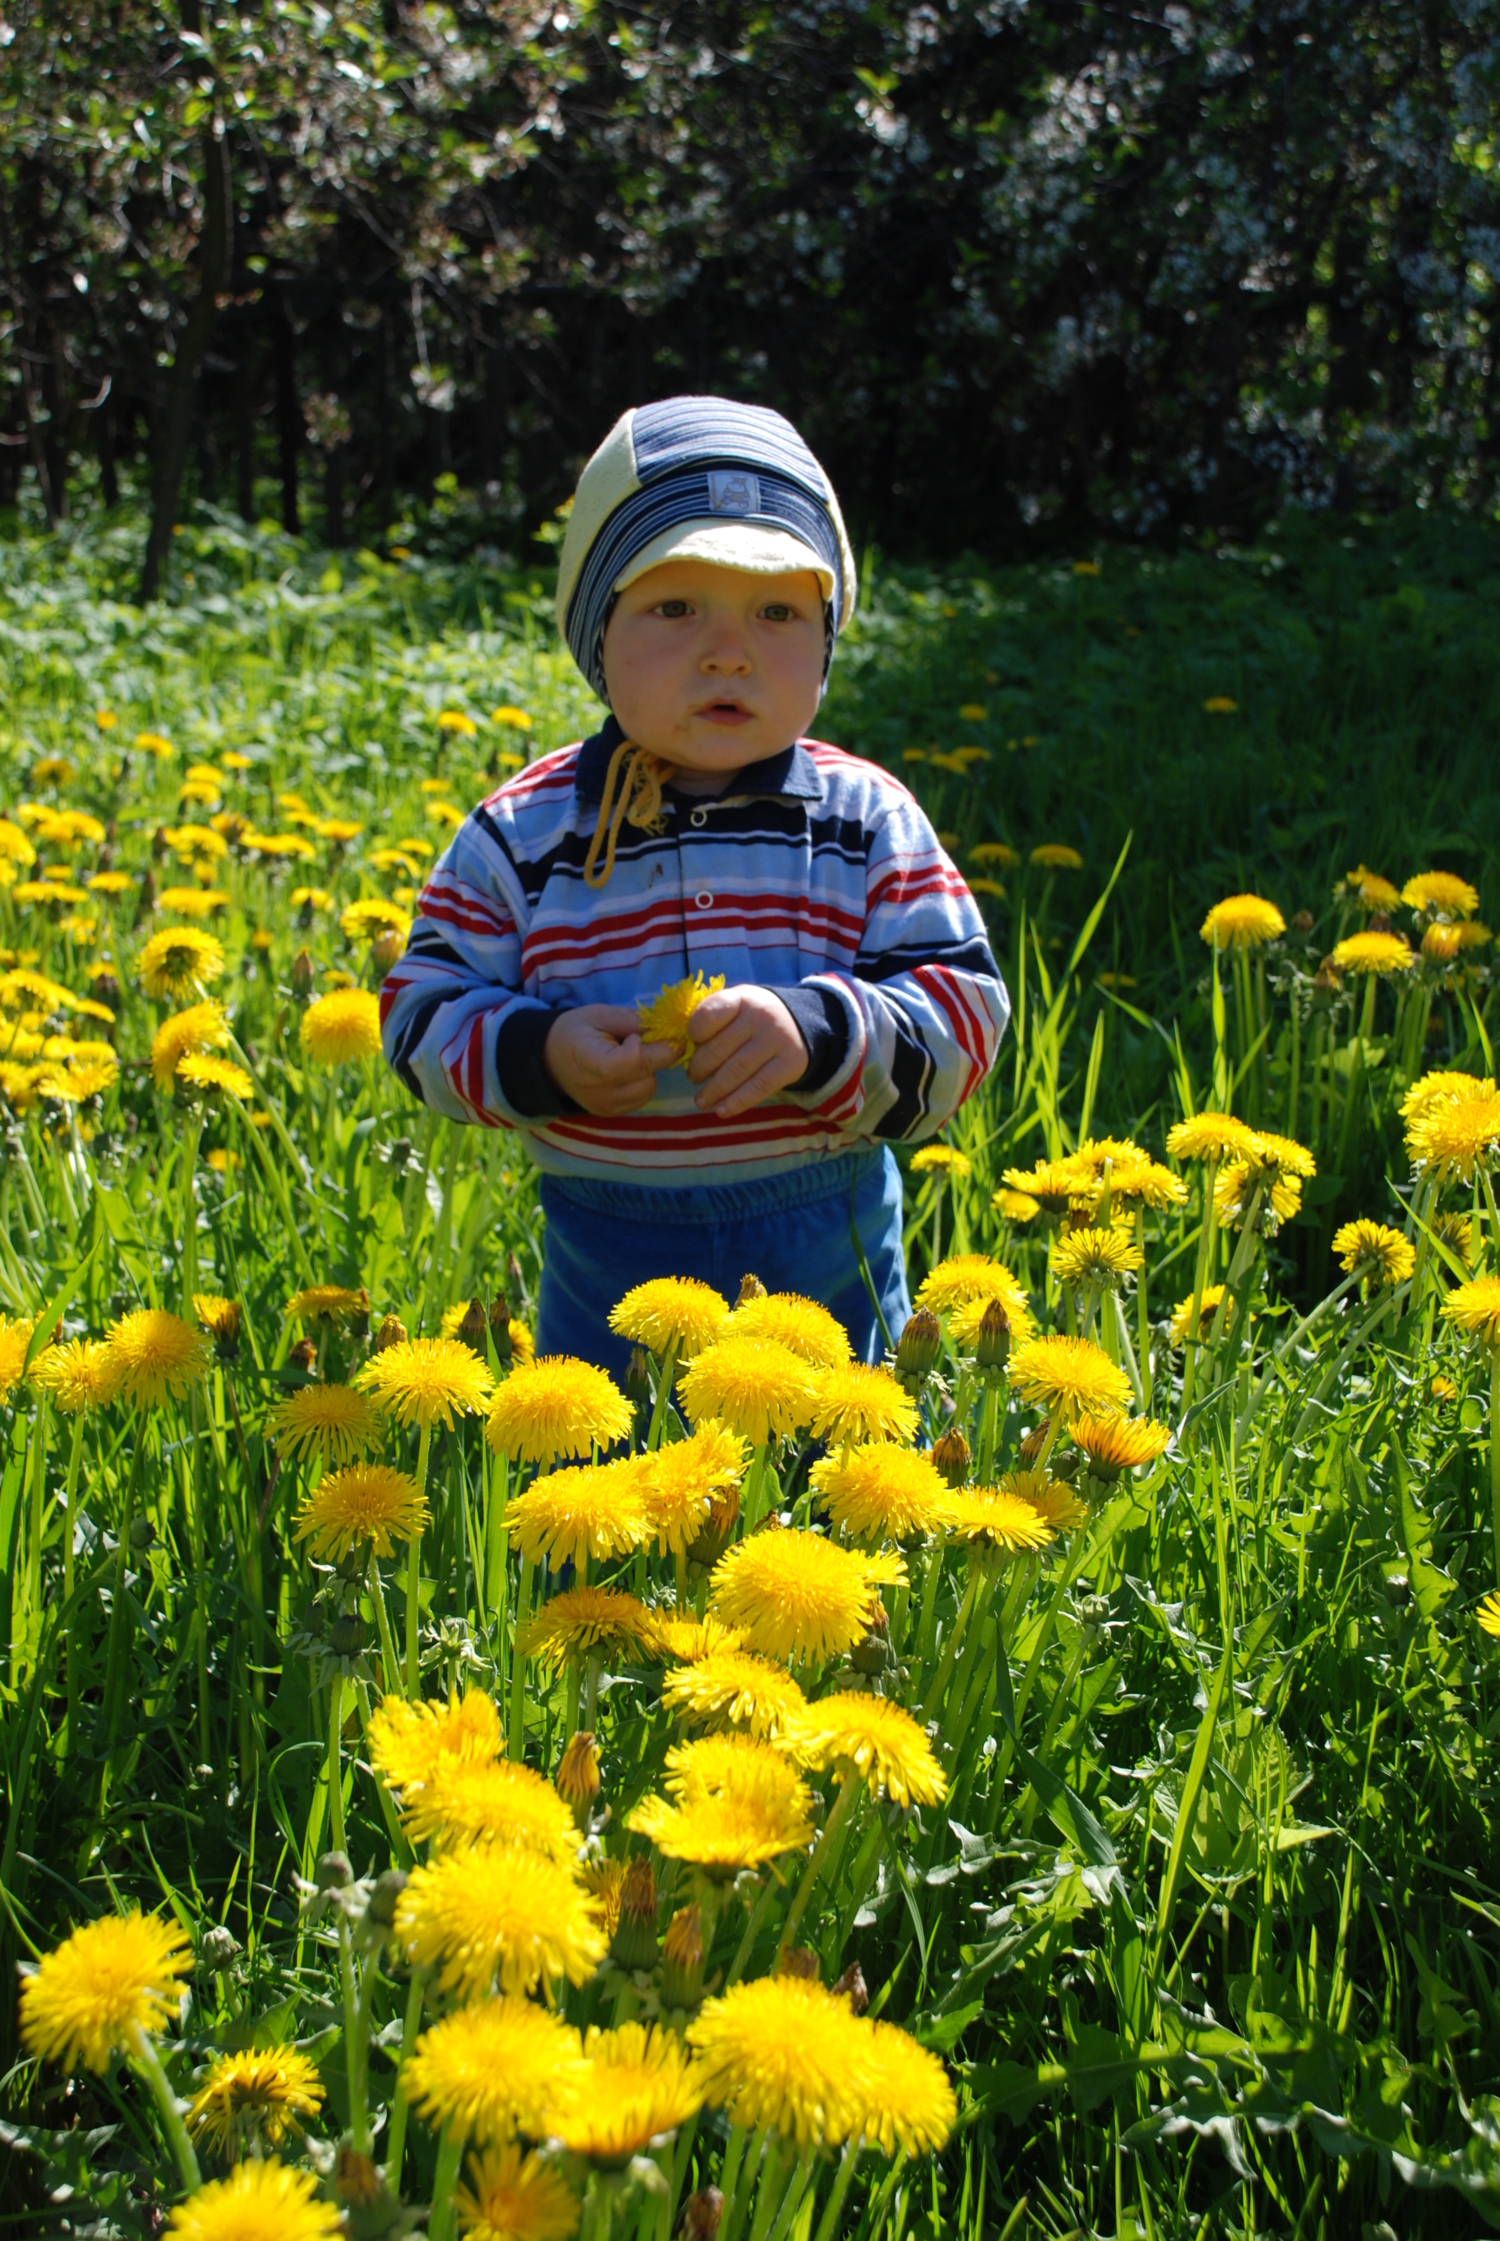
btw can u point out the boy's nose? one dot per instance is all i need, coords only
(727, 654)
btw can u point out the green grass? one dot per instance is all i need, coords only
(1206, 1932)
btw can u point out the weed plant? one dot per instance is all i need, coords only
(1174, 1861)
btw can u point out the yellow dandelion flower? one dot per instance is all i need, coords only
(1441, 891)
(493, 2069)
(192, 902)
(1239, 1183)
(342, 1027)
(856, 1402)
(994, 1518)
(1283, 1155)
(757, 1388)
(1096, 1256)
(907, 2100)
(109, 883)
(80, 1374)
(496, 1801)
(516, 2197)
(362, 1502)
(454, 720)
(1070, 1375)
(481, 1913)
(604, 1880)
(685, 1479)
(1182, 1314)
(994, 852)
(1373, 953)
(1053, 1500)
(1146, 1181)
(1441, 942)
(15, 848)
(1475, 1309)
(178, 958)
(107, 1982)
(1373, 892)
(556, 1406)
(15, 1337)
(157, 1356)
(598, 1509)
(1488, 1614)
(876, 1738)
(1456, 1231)
(803, 1326)
(1456, 1135)
(667, 1018)
(1121, 1443)
(687, 1641)
(202, 1027)
(754, 1810)
(205, 1073)
(1055, 855)
(1376, 1251)
(583, 1621)
(638, 2085)
(331, 1421)
(797, 1595)
(257, 2202)
(967, 1279)
(333, 1304)
(517, 718)
(1210, 1137)
(254, 2098)
(880, 1492)
(670, 1311)
(786, 2053)
(1059, 1186)
(942, 1159)
(365, 922)
(733, 1684)
(410, 1744)
(427, 1381)
(1437, 1087)
(1243, 922)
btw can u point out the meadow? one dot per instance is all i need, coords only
(1045, 1786)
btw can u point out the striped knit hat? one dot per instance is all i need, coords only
(697, 478)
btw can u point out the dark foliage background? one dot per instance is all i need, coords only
(1022, 271)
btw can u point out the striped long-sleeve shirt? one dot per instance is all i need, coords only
(815, 875)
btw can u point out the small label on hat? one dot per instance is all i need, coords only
(732, 491)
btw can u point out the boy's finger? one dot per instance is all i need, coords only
(617, 1021)
(715, 1051)
(761, 1085)
(715, 1012)
(658, 1056)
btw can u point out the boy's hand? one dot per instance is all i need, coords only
(596, 1056)
(749, 1046)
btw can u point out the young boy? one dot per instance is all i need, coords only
(704, 579)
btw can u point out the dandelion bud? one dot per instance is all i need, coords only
(637, 1377)
(713, 1535)
(1302, 923)
(1033, 1442)
(218, 1948)
(917, 1347)
(1379, 922)
(303, 1356)
(634, 1942)
(359, 1315)
(333, 1872)
(159, 843)
(142, 1534)
(751, 1288)
(104, 987)
(356, 2180)
(871, 1654)
(145, 901)
(682, 1960)
(797, 1960)
(500, 1329)
(992, 1350)
(387, 949)
(302, 973)
(701, 2214)
(1065, 1466)
(473, 1327)
(392, 1332)
(578, 1776)
(386, 1891)
(854, 1989)
(950, 1455)
(224, 1329)
(346, 1636)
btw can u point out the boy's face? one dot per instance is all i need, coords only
(712, 667)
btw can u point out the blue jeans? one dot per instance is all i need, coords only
(792, 1231)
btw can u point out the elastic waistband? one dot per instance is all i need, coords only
(716, 1202)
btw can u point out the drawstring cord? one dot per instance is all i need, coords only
(638, 776)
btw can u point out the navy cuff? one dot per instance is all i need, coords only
(525, 1083)
(823, 1025)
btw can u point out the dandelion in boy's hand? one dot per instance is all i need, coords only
(157, 1356)
(638, 2085)
(796, 1595)
(803, 1326)
(410, 1744)
(341, 1028)
(173, 961)
(1373, 953)
(735, 1685)
(108, 1984)
(556, 1406)
(880, 1492)
(1375, 1251)
(251, 2100)
(492, 2069)
(583, 1621)
(1242, 922)
(667, 1018)
(1071, 1376)
(1441, 892)
(670, 1311)
(364, 1502)
(872, 1738)
(481, 1914)
(427, 1381)
(331, 1421)
(1474, 1308)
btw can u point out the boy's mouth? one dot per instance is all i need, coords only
(724, 709)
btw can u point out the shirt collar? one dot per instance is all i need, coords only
(791, 772)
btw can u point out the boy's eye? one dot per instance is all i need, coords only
(673, 608)
(778, 611)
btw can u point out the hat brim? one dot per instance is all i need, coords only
(754, 550)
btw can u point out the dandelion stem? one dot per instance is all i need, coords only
(147, 2062)
(828, 2224)
(956, 1631)
(666, 1372)
(518, 1670)
(389, 1661)
(70, 1527)
(851, 1790)
(444, 2180)
(335, 1769)
(1495, 1455)
(410, 2025)
(414, 1571)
